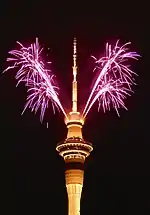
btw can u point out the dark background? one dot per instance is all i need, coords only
(117, 178)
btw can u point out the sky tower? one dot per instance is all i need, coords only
(74, 149)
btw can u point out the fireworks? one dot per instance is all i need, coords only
(114, 79)
(112, 86)
(39, 80)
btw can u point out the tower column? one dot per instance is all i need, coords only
(74, 184)
(74, 195)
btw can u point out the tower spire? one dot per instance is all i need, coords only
(74, 83)
(74, 59)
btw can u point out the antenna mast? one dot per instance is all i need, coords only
(74, 83)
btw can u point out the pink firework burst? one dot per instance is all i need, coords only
(114, 80)
(39, 80)
(111, 87)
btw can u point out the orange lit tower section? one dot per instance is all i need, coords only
(74, 149)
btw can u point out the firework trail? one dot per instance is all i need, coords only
(39, 81)
(112, 86)
(114, 80)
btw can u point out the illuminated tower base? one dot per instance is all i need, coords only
(74, 150)
(74, 183)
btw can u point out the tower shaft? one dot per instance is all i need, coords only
(74, 195)
(74, 184)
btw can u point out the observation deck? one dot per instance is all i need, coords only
(74, 149)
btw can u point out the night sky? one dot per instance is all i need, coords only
(117, 174)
